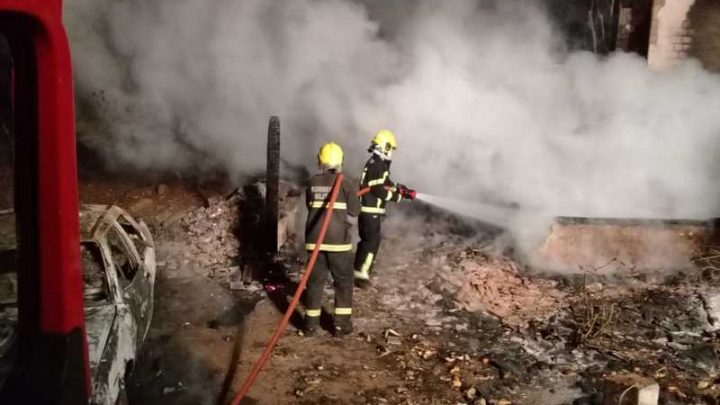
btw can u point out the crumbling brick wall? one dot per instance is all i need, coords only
(671, 35)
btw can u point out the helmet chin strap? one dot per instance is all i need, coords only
(377, 150)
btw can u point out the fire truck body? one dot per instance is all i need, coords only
(52, 357)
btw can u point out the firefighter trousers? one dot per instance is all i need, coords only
(340, 266)
(369, 227)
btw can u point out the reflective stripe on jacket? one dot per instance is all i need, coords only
(317, 197)
(376, 175)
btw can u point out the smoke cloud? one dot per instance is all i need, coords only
(185, 84)
(487, 102)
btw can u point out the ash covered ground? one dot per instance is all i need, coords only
(452, 317)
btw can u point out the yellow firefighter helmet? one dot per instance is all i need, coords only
(385, 139)
(330, 156)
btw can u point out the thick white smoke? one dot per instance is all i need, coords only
(485, 101)
(183, 79)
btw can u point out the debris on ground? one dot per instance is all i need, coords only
(448, 319)
(494, 285)
(213, 230)
(630, 389)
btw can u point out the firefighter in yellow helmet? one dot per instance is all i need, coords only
(336, 249)
(376, 176)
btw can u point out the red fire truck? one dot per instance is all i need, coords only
(51, 365)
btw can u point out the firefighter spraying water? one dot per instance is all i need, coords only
(377, 189)
(380, 190)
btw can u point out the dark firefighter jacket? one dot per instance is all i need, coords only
(317, 195)
(376, 175)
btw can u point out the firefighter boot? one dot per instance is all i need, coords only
(362, 283)
(341, 331)
(309, 330)
(362, 279)
(312, 324)
(343, 327)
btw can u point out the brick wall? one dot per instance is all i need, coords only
(671, 34)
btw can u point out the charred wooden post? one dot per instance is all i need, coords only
(272, 181)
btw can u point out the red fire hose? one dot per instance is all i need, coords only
(296, 298)
(411, 194)
(366, 190)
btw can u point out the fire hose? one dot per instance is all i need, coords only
(404, 191)
(260, 363)
(282, 325)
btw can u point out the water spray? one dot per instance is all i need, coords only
(492, 214)
(488, 213)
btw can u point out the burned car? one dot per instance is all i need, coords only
(118, 259)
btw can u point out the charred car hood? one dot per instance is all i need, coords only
(98, 324)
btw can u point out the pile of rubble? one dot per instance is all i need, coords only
(222, 238)
(214, 233)
(493, 285)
